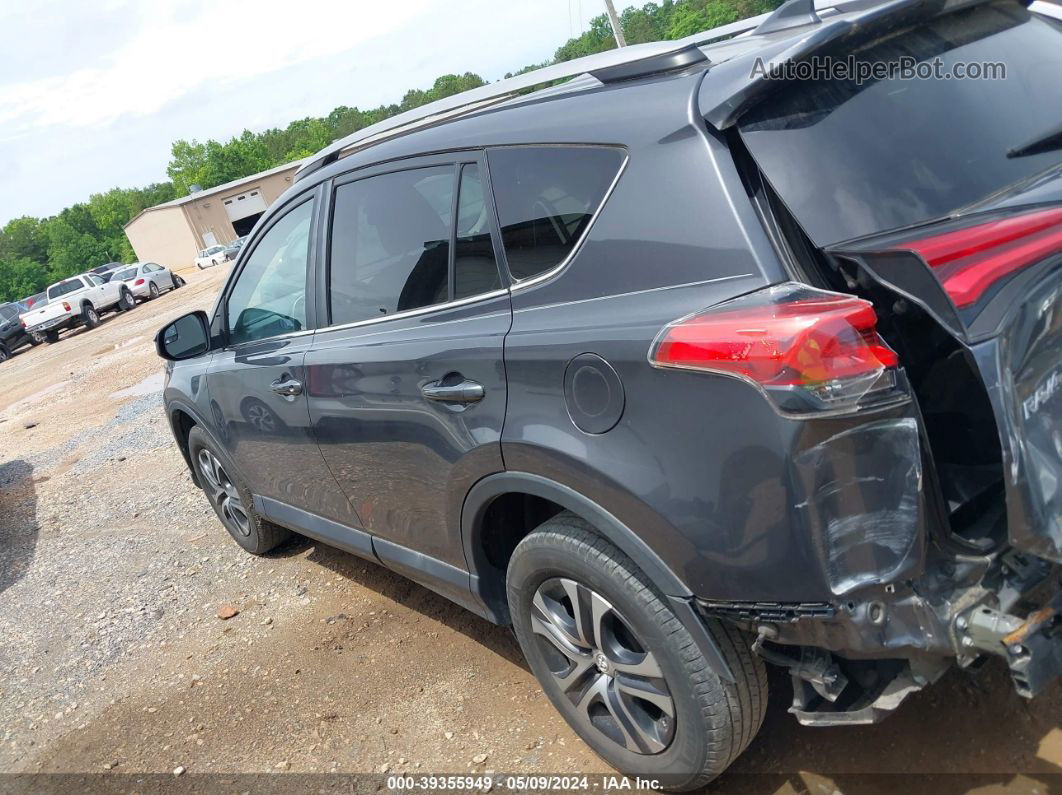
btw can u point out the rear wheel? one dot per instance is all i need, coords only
(90, 317)
(51, 336)
(5, 354)
(153, 291)
(230, 498)
(619, 665)
(126, 301)
(36, 338)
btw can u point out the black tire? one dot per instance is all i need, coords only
(173, 282)
(36, 338)
(153, 291)
(51, 337)
(257, 535)
(713, 720)
(126, 301)
(5, 354)
(89, 316)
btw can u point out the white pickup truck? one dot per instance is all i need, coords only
(76, 301)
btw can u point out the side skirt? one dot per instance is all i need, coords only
(434, 574)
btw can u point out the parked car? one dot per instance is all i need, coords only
(147, 279)
(12, 335)
(209, 257)
(763, 372)
(31, 301)
(232, 250)
(105, 272)
(79, 300)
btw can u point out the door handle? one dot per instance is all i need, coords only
(464, 392)
(288, 387)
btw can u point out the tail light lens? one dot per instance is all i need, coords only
(968, 261)
(22, 322)
(138, 282)
(810, 351)
(66, 307)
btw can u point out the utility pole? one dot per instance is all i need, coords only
(617, 29)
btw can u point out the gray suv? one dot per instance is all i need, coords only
(679, 367)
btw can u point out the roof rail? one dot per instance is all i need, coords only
(624, 63)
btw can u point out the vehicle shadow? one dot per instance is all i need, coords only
(964, 733)
(394, 586)
(18, 521)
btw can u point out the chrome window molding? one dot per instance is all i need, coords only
(422, 310)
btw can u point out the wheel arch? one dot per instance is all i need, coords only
(487, 580)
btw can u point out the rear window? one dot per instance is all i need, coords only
(124, 275)
(546, 197)
(850, 160)
(64, 288)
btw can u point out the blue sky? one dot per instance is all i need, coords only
(92, 94)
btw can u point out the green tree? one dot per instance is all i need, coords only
(22, 237)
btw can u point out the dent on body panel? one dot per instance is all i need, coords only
(858, 492)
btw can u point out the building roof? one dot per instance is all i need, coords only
(236, 183)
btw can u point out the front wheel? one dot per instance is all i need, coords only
(230, 498)
(619, 665)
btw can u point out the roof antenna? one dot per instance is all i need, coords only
(791, 14)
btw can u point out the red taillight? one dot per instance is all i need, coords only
(968, 261)
(22, 322)
(815, 350)
(66, 306)
(138, 282)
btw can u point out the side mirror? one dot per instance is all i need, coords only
(185, 338)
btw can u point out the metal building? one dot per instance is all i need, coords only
(172, 233)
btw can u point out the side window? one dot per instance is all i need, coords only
(269, 297)
(546, 197)
(94, 281)
(390, 249)
(475, 270)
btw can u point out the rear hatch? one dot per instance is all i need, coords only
(938, 192)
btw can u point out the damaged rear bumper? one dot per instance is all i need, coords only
(854, 661)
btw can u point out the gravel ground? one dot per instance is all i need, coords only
(113, 659)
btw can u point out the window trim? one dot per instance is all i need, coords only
(220, 314)
(519, 284)
(456, 160)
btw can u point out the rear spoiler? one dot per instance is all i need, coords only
(732, 87)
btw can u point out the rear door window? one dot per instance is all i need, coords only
(546, 197)
(390, 248)
(475, 269)
(852, 159)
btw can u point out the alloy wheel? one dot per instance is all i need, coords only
(600, 665)
(224, 493)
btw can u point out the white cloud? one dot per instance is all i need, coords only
(174, 52)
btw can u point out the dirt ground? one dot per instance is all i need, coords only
(113, 660)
